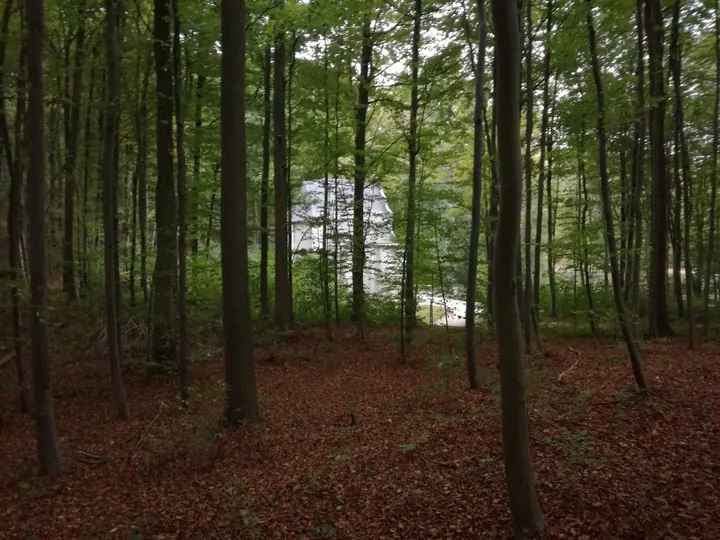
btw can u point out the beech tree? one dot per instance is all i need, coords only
(241, 396)
(48, 447)
(476, 199)
(607, 206)
(524, 506)
(164, 333)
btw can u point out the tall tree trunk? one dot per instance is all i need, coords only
(182, 207)
(164, 335)
(632, 279)
(413, 153)
(490, 135)
(110, 180)
(288, 170)
(551, 214)
(89, 144)
(48, 447)
(14, 218)
(524, 506)
(682, 159)
(607, 208)
(659, 323)
(283, 305)
(325, 259)
(265, 183)
(681, 162)
(143, 127)
(585, 276)
(71, 146)
(358, 234)
(709, 270)
(197, 159)
(528, 306)
(336, 173)
(543, 152)
(241, 404)
(470, 351)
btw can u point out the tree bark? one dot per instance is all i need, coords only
(681, 162)
(551, 213)
(526, 514)
(197, 159)
(585, 276)
(182, 207)
(713, 178)
(659, 323)
(48, 447)
(543, 153)
(358, 234)
(607, 207)
(110, 179)
(265, 183)
(71, 148)
(241, 404)
(14, 218)
(413, 153)
(528, 304)
(470, 352)
(282, 280)
(164, 335)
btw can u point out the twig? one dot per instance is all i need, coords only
(560, 377)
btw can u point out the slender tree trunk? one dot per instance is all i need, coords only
(288, 171)
(551, 214)
(241, 405)
(48, 447)
(528, 306)
(182, 207)
(682, 159)
(709, 271)
(470, 352)
(164, 335)
(143, 127)
(336, 173)
(71, 147)
(113, 12)
(89, 144)
(494, 197)
(681, 162)
(607, 208)
(543, 153)
(265, 183)
(524, 506)
(283, 307)
(659, 323)
(14, 218)
(632, 281)
(413, 153)
(197, 160)
(585, 276)
(325, 259)
(358, 234)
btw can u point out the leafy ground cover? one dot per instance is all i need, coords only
(355, 444)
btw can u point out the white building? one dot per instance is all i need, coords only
(307, 227)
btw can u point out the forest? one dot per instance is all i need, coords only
(359, 269)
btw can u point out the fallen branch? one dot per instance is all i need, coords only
(90, 458)
(564, 373)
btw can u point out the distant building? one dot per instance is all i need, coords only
(307, 227)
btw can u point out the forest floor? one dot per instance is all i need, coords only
(355, 444)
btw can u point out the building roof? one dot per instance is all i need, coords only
(309, 205)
